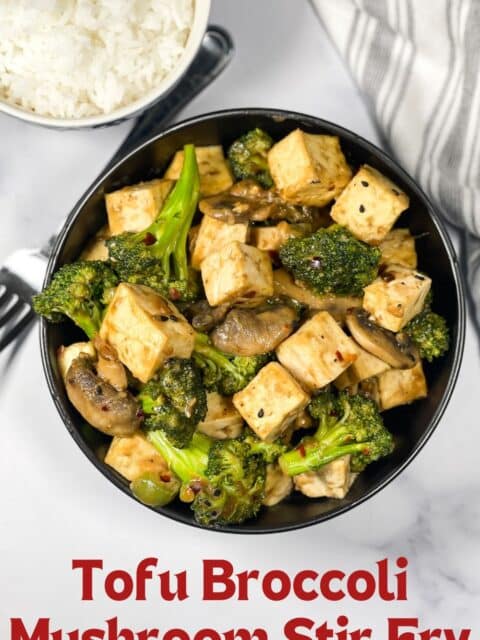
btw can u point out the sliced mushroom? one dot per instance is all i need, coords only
(394, 348)
(246, 201)
(113, 412)
(250, 332)
(109, 367)
(204, 317)
(337, 306)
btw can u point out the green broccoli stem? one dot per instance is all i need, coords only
(188, 463)
(170, 229)
(90, 324)
(323, 447)
(154, 491)
(313, 455)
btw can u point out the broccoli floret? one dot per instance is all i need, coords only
(157, 256)
(248, 157)
(222, 372)
(331, 261)
(222, 479)
(174, 401)
(429, 331)
(347, 425)
(80, 291)
(269, 451)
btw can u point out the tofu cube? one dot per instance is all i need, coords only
(96, 249)
(237, 273)
(398, 247)
(396, 297)
(135, 208)
(213, 235)
(272, 238)
(369, 205)
(66, 355)
(133, 456)
(215, 173)
(401, 386)
(222, 419)
(318, 352)
(309, 169)
(277, 485)
(365, 366)
(271, 401)
(145, 329)
(331, 481)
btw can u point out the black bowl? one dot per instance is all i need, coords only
(412, 425)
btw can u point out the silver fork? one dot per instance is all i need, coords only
(22, 274)
(20, 278)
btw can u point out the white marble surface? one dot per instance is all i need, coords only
(55, 506)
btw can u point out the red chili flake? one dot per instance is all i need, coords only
(249, 294)
(339, 355)
(174, 294)
(105, 408)
(301, 450)
(388, 276)
(149, 239)
(140, 415)
(196, 486)
(165, 477)
(366, 451)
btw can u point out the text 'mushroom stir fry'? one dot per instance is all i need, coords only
(248, 319)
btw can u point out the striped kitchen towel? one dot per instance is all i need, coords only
(417, 63)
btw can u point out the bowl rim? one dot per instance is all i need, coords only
(396, 169)
(197, 31)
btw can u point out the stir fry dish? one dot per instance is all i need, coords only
(249, 318)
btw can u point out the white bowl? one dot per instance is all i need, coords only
(199, 26)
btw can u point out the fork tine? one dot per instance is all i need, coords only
(12, 311)
(16, 329)
(20, 277)
(4, 295)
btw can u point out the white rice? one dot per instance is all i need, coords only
(78, 58)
